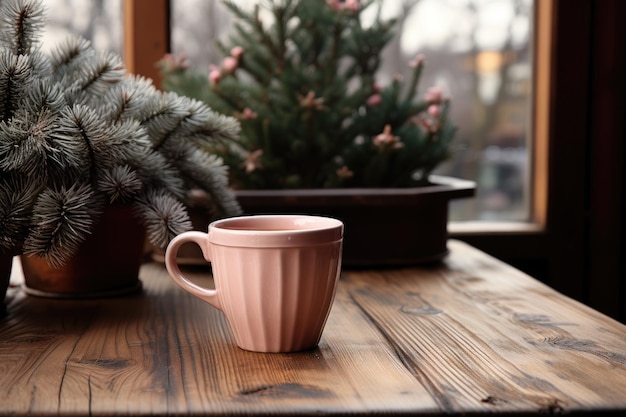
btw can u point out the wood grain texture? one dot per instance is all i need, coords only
(479, 334)
(472, 335)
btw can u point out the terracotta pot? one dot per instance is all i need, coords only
(399, 226)
(107, 263)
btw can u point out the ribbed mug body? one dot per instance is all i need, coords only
(276, 299)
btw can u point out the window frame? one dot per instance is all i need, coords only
(146, 36)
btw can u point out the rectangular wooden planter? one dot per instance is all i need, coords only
(383, 226)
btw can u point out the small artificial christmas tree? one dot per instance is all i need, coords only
(78, 133)
(312, 113)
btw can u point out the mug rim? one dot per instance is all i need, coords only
(308, 230)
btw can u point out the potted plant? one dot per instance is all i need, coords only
(320, 134)
(86, 148)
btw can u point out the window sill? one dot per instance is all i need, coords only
(504, 240)
(461, 228)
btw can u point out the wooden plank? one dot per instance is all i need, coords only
(484, 337)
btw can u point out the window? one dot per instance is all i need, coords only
(479, 51)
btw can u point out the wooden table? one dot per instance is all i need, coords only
(472, 335)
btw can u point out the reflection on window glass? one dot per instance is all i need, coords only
(478, 51)
(99, 21)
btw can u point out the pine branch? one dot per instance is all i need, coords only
(173, 117)
(68, 55)
(20, 24)
(163, 216)
(17, 194)
(128, 98)
(120, 184)
(61, 221)
(210, 174)
(168, 179)
(101, 73)
(15, 79)
(26, 148)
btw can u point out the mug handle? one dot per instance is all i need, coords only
(200, 238)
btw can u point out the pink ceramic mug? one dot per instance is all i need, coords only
(275, 277)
